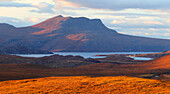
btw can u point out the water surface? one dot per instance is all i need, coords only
(89, 54)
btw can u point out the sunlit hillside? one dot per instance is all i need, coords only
(159, 63)
(85, 85)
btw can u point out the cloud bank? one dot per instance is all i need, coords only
(119, 4)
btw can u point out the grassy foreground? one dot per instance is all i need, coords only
(85, 85)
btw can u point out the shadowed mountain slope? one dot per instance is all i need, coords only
(76, 34)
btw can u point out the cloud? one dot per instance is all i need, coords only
(117, 22)
(21, 22)
(138, 22)
(118, 4)
(64, 3)
(153, 22)
(147, 26)
(33, 19)
(14, 4)
(136, 14)
(6, 0)
(41, 7)
(146, 32)
(14, 21)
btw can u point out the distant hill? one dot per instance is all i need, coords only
(19, 49)
(153, 55)
(159, 63)
(77, 34)
(56, 61)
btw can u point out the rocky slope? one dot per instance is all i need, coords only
(76, 34)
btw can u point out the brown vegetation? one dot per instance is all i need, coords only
(159, 63)
(78, 66)
(57, 61)
(118, 59)
(153, 55)
(23, 71)
(76, 36)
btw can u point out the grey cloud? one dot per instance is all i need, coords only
(14, 4)
(123, 4)
(132, 25)
(128, 14)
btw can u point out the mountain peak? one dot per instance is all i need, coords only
(56, 17)
(69, 24)
(50, 24)
(59, 16)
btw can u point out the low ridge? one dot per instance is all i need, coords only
(159, 63)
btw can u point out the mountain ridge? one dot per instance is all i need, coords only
(78, 34)
(58, 22)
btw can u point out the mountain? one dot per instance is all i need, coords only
(77, 34)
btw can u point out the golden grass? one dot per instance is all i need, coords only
(85, 85)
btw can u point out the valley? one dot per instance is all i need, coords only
(16, 67)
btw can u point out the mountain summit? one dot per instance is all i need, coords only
(77, 34)
(69, 24)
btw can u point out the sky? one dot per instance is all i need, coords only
(148, 18)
